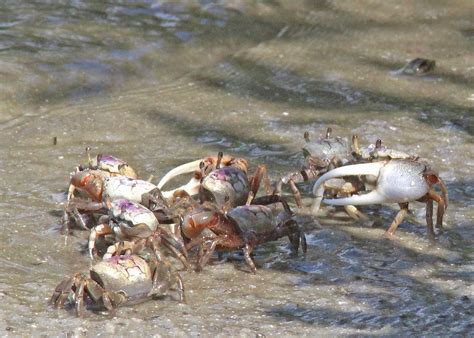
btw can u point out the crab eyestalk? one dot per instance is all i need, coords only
(328, 132)
(89, 159)
(306, 136)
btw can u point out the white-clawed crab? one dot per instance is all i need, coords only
(320, 156)
(222, 180)
(136, 225)
(117, 281)
(397, 181)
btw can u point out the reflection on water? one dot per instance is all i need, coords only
(160, 83)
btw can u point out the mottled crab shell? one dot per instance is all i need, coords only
(129, 214)
(227, 186)
(128, 275)
(255, 218)
(114, 166)
(329, 147)
(117, 187)
(372, 151)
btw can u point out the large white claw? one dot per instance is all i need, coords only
(192, 188)
(180, 170)
(350, 170)
(398, 181)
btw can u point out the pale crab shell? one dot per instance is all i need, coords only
(372, 152)
(113, 165)
(117, 187)
(129, 214)
(327, 148)
(225, 186)
(128, 275)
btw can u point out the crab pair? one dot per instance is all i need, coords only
(344, 170)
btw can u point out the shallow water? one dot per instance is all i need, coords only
(161, 83)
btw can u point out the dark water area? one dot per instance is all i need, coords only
(161, 83)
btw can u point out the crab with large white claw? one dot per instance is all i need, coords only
(397, 181)
(117, 281)
(223, 182)
(201, 168)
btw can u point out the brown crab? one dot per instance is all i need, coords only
(242, 227)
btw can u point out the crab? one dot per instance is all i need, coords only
(397, 181)
(320, 156)
(417, 67)
(117, 281)
(101, 166)
(89, 180)
(99, 188)
(222, 180)
(242, 227)
(131, 222)
(375, 152)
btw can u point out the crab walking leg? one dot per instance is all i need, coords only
(350, 170)
(99, 230)
(122, 248)
(429, 220)
(182, 169)
(79, 296)
(355, 214)
(398, 219)
(247, 249)
(442, 205)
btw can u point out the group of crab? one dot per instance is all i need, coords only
(138, 229)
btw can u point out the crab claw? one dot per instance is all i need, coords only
(398, 181)
(192, 187)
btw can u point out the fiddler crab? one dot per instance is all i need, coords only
(89, 180)
(396, 181)
(417, 67)
(117, 281)
(243, 227)
(222, 180)
(320, 156)
(133, 226)
(99, 185)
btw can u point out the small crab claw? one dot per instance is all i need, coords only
(398, 181)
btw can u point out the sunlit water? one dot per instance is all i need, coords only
(161, 83)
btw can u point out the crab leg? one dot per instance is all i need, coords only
(398, 219)
(99, 230)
